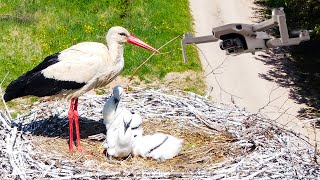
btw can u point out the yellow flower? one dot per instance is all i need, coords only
(102, 24)
(88, 29)
(45, 47)
(62, 29)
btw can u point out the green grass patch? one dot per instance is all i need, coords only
(30, 30)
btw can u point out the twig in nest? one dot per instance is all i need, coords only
(315, 157)
(210, 124)
(3, 101)
(144, 62)
(4, 120)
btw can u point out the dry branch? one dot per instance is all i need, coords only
(3, 101)
(145, 61)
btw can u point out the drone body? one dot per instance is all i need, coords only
(240, 38)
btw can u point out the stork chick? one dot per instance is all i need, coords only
(136, 125)
(158, 146)
(120, 138)
(118, 121)
(112, 107)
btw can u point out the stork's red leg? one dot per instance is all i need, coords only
(70, 134)
(71, 116)
(76, 118)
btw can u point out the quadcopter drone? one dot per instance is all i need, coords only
(245, 38)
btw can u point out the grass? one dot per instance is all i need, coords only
(30, 30)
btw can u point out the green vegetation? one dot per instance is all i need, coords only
(30, 30)
(301, 14)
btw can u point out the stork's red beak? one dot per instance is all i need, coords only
(138, 42)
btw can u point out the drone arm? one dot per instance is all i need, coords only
(278, 18)
(264, 25)
(278, 42)
(189, 39)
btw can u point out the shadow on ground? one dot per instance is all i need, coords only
(299, 71)
(54, 126)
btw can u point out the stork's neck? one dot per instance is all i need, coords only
(116, 52)
(124, 136)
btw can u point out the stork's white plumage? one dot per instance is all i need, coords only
(125, 133)
(74, 71)
(112, 106)
(158, 146)
(136, 125)
(120, 138)
(117, 119)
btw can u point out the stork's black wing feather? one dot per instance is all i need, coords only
(35, 83)
(48, 61)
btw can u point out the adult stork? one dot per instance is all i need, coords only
(74, 71)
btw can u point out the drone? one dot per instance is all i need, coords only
(240, 38)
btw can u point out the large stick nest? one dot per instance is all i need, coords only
(219, 142)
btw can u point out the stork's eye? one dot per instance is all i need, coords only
(122, 34)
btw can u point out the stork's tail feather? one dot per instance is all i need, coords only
(18, 87)
(8, 97)
(15, 89)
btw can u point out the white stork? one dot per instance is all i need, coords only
(112, 106)
(122, 125)
(119, 137)
(74, 71)
(136, 125)
(125, 133)
(158, 146)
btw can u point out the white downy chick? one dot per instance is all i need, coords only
(158, 146)
(111, 110)
(120, 138)
(136, 125)
(112, 106)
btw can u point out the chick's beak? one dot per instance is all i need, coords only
(138, 42)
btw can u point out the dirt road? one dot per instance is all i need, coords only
(237, 80)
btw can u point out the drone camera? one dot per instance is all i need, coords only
(231, 45)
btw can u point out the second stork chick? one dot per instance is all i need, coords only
(136, 125)
(158, 146)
